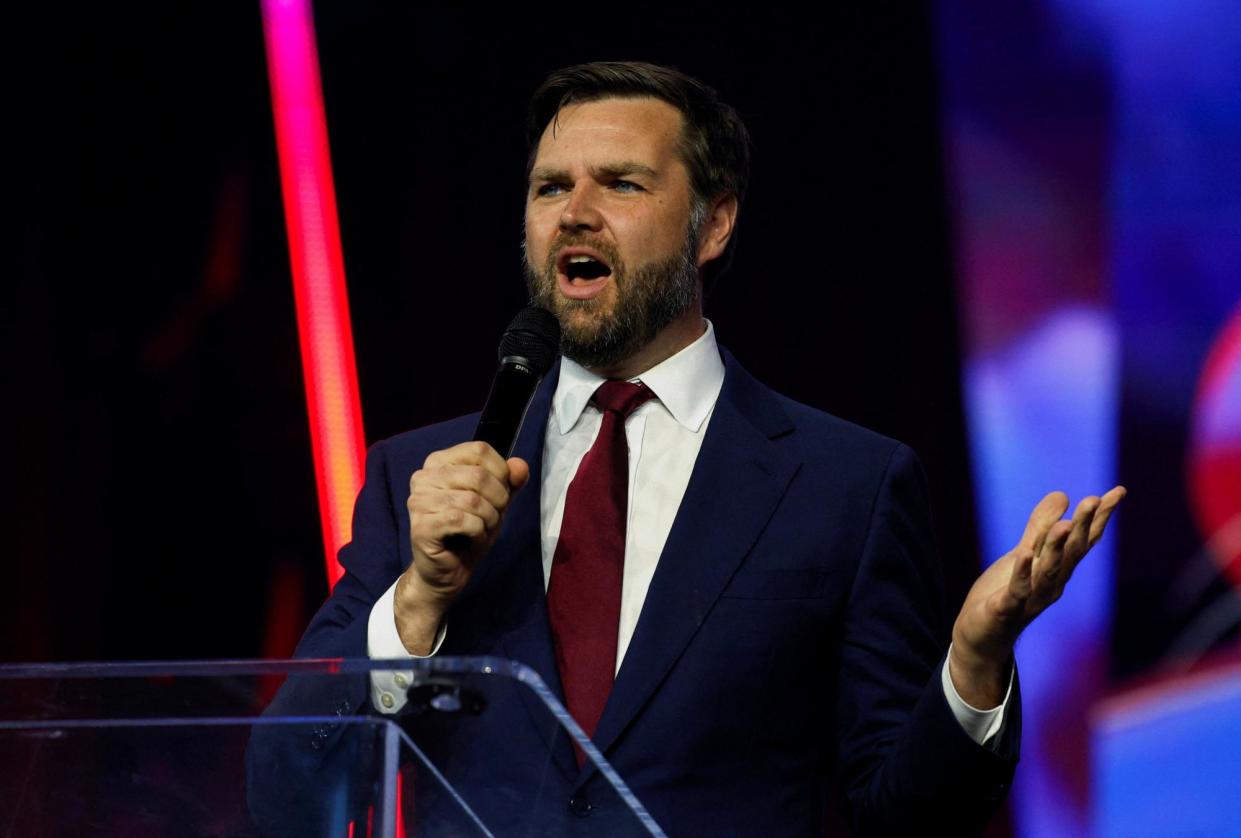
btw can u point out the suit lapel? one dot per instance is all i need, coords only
(738, 480)
(515, 567)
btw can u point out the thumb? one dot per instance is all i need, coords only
(518, 473)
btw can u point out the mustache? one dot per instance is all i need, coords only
(604, 248)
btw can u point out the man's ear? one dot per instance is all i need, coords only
(717, 229)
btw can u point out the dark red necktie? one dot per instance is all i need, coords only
(584, 593)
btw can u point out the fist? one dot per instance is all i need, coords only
(456, 505)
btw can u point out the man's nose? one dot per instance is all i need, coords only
(581, 212)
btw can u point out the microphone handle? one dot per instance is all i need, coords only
(510, 396)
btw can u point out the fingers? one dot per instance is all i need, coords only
(461, 491)
(1019, 583)
(1107, 505)
(1050, 570)
(444, 523)
(518, 472)
(435, 521)
(450, 479)
(1046, 513)
(473, 503)
(1078, 541)
(478, 454)
(1096, 512)
(1037, 569)
(472, 467)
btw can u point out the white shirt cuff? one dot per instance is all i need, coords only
(383, 642)
(983, 726)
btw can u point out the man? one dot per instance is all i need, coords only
(769, 616)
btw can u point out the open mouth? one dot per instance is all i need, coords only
(581, 267)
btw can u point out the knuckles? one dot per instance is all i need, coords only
(445, 475)
(476, 448)
(449, 495)
(473, 476)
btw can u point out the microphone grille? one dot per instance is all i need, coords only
(534, 335)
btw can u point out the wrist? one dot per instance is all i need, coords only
(418, 614)
(980, 680)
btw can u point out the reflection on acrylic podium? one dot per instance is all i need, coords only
(241, 748)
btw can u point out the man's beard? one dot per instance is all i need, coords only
(647, 300)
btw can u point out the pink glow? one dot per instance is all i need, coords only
(318, 268)
(1214, 451)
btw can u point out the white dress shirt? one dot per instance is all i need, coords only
(664, 435)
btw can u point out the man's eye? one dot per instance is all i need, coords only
(549, 189)
(626, 186)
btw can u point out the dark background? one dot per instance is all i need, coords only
(159, 493)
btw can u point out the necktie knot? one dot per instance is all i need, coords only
(621, 397)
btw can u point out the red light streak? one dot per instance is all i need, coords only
(318, 268)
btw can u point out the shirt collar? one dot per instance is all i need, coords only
(687, 384)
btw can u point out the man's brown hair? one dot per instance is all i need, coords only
(714, 143)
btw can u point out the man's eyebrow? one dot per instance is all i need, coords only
(621, 169)
(625, 169)
(547, 173)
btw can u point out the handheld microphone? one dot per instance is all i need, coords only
(527, 350)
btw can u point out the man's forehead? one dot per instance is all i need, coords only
(643, 120)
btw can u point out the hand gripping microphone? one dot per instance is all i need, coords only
(527, 350)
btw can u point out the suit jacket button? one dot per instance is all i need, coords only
(580, 805)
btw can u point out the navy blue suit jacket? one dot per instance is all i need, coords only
(790, 640)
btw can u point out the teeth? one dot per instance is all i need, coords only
(577, 260)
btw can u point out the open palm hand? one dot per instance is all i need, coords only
(1018, 587)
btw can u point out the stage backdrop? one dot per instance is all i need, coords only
(1094, 156)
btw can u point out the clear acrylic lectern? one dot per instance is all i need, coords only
(258, 748)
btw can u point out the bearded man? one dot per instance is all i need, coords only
(749, 612)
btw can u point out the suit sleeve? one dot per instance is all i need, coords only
(905, 762)
(372, 562)
(303, 778)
